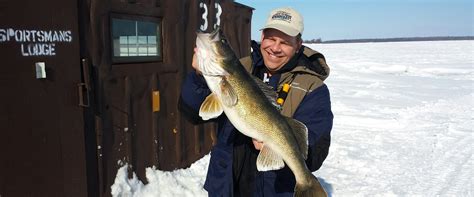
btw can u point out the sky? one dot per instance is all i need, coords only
(403, 125)
(358, 19)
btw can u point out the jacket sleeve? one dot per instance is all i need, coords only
(315, 112)
(193, 92)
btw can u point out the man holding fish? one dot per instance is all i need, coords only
(273, 111)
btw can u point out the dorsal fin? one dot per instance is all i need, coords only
(267, 91)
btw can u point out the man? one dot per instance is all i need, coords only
(281, 61)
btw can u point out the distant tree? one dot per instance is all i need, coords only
(313, 41)
(403, 39)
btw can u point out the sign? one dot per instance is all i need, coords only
(35, 42)
(205, 24)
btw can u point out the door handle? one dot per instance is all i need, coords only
(83, 87)
(83, 95)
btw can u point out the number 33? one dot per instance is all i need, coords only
(218, 7)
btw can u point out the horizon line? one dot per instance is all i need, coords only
(393, 39)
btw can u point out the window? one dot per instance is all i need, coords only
(135, 39)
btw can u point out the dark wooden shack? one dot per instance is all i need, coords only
(88, 83)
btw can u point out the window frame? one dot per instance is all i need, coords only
(136, 59)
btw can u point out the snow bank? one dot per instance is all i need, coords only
(183, 182)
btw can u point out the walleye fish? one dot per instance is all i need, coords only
(245, 101)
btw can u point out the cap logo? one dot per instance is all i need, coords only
(284, 16)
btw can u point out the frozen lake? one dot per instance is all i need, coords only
(403, 119)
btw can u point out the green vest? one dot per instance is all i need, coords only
(310, 72)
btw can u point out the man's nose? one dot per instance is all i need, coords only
(276, 47)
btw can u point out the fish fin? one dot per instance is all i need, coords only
(312, 189)
(228, 95)
(300, 131)
(211, 107)
(269, 160)
(267, 91)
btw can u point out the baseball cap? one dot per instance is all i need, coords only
(285, 19)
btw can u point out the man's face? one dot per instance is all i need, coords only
(277, 48)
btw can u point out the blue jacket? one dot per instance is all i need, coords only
(314, 111)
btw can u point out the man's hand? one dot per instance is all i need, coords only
(258, 145)
(195, 63)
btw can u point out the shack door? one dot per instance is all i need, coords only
(138, 52)
(42, 150)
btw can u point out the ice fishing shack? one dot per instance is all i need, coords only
(88, 83)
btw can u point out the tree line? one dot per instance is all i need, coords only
(407, 39)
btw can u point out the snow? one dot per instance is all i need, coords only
(182, 182)
(403, 125)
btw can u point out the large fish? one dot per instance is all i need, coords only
(245, 101)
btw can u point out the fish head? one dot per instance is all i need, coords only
(213, 52)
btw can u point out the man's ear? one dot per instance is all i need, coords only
(299, 44)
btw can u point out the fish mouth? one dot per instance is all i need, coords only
(214, 36)
(208, 47)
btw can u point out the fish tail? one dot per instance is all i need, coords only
(313, 189)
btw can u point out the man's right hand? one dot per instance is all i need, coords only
(195, 62)
(258, 145)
